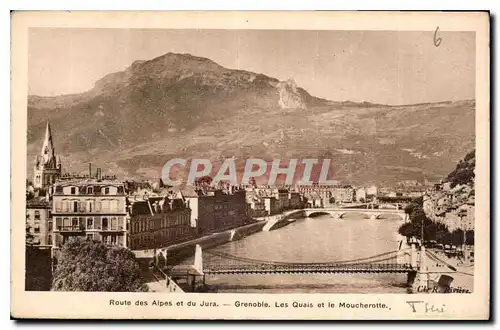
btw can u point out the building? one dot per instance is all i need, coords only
(271, 205)
(92, 207)
(295, 201)
(274, 199)
(282, 195)
(257, 207)
(371, 193)
(361, 195)
(255, 202)
(329, 194)
(215, 209)
(47, 167)
(158, 222)
(39, 221)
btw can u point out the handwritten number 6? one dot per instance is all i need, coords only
(437, 40)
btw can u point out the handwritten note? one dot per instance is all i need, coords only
(420, 306)
(437, 39)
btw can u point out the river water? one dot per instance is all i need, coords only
(318, 239)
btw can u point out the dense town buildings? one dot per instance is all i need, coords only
(157, 222)
(455, 208)
(145, 215)
(265, 200)
(214, 209)
(326, 195)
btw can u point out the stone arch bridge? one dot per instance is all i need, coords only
(339, 213)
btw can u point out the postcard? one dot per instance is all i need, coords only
(250, 165)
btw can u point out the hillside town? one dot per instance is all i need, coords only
(452, 201)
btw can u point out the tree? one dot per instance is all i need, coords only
(457, 237)
(430, 231)
(469, 237)
(443, 237)
(409, 209)
(406, 230)
(38, 274)
(94, 266)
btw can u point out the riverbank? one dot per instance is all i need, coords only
(463, 278)
(178, 252)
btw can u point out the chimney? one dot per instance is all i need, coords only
(90, 170)
(99, 174)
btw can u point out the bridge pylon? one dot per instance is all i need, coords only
(413, 256)
(198, 259)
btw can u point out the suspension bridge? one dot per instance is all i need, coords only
(218, 263)
(213, 262)
(420, 266)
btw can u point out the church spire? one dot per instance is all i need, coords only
(47, 168)
(48, 151)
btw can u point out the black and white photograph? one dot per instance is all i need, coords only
(252, 161)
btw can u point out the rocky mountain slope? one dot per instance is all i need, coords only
(179, 105)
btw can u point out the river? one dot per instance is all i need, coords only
(317, 239)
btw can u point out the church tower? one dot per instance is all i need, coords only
(47, 165)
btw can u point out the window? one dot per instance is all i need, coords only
(37, 229)
(90, 237)
(104, 223)
(90, 206)
(66, 222)
(106, 191)
(37, 215)
(90, 223)
(73, 191)
(113, 240)
(50, 225)
(49, 240)
(114, 205)
(105, 205)
(90, 190)
(75, 206)
(74, 222)
(114, 223)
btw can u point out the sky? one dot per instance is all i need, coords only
(388, 67)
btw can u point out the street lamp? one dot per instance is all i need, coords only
(462, 215)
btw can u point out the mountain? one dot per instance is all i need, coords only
(178, 105)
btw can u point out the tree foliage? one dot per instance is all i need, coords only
(432, 231)
(457, 237)
(94, 266)
(38, 273)
(464, 171)
(469, 237)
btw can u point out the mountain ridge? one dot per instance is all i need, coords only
(183, 105)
